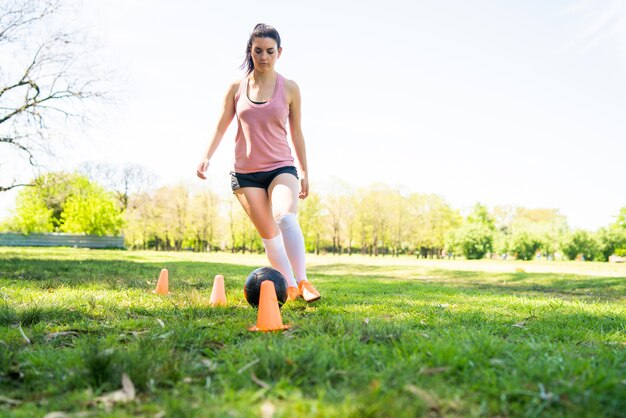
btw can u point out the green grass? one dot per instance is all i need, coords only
(390, 338)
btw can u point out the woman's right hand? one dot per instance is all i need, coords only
(202, 168)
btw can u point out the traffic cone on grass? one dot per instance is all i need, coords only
(218, 294)
(268, 318)
(162, 284)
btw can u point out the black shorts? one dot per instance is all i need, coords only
(261, 179)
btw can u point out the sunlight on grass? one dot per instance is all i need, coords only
(390, 337)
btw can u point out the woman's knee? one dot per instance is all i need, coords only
(284, 200)
(286, 220)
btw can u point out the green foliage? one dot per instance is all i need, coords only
(310, 217)
(501, 242)
(377, 220)
(610, 241)
(480, 215)
(31, 214)
(91, 210)
(54, 189)
(66, 203)
(524, 245)
(620, 222)
(473, 240)
(431, 221)
(476, 237)
(581, 243)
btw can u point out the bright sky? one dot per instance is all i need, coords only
(503, 103)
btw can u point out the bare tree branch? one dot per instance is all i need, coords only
(15, 15)
(53, 86)
(13, 186)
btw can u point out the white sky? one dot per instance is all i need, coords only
(503, 103)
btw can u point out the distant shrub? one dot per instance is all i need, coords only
(610, 241)
(524, 245)
(474, 241)
(579, 243)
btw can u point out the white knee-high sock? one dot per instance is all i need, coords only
(275, 251)
(294, 244)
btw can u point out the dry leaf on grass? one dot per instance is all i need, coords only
(4, 399)
(259, 381)
(522, 323)
(23, 334)
(126, 394)
(268, 409)
(430, 400)
(209, 364)
(247, 366)
(54, 335)
(56, 414)
(429, 371)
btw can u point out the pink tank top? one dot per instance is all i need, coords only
(261, 141)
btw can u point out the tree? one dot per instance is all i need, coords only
(31, 214)
(524, 245)
(45, 85)
(67, 203)
(38, 209)
(336, 203)
(139, 217)
(172, 220)
(432, 219)
(122, 180)
(480, 215)
(91, 210)
(203, 220)
(611, 241)
(399, 223)
(373, 218)
(581, 243)
(546, 225)
(620, 222)
(243, 234)
(473, 240)
(503, 217)
(311, 222)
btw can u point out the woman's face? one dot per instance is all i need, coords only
(264, 54)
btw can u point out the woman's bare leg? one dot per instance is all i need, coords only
(256, 203)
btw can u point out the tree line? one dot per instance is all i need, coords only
(377, 220)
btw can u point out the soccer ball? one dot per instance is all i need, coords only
(252, 287)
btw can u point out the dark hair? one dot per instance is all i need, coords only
(261, 30)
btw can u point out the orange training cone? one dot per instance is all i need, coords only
(162, 284)
(218, 294)
(268, 318)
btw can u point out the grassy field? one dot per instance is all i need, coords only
(390, 338)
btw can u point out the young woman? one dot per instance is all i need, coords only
(264, 179)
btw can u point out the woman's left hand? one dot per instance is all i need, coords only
(304, 188)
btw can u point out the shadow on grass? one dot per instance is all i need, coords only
(116, 274)
(514, 283)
